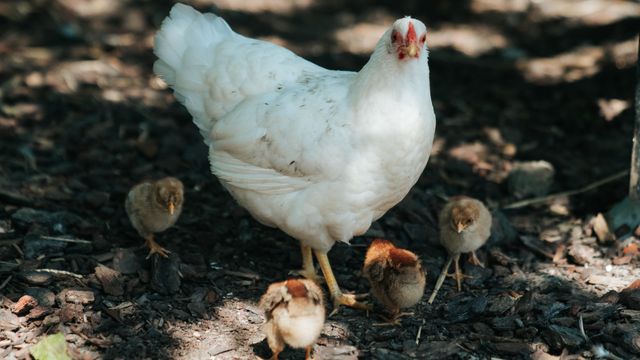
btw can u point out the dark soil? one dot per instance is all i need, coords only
(83, 118)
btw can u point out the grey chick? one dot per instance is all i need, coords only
(153, 207)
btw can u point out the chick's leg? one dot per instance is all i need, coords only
(458, 275)
(154, 248)
(308, 269)
(473, 259)
(307, 355)
(338, 297)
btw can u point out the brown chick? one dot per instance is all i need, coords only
(154, 207)
(465, 225)
(396, 277)
(295, 315)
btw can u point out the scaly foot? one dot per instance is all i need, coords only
(473, 260)
(350, 300)
(154, 248)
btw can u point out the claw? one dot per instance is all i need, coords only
(154, 248)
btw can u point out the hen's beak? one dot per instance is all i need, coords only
(411, 50)
(172, 208)
(460, 227)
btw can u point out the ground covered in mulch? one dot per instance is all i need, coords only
(82, 119)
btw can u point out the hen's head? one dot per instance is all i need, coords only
(407, 38)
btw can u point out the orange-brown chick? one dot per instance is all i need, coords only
(295, 315)
(465, 225)
(396, 276)
(153, 207)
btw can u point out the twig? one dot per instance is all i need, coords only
(443, 275)
(5, 282)
(527, 241)
(242, 274)
(77, 241)
(61, 272)
(581, 328)
(419, 334)
(543, 199)
(10, 242)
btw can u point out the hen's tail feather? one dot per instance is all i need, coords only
(183, 47)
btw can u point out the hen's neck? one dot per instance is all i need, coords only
(384, 73)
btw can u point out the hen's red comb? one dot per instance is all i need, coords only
(411, 33)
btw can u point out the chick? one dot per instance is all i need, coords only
(295, 315)
(396, 277)
(465, 225)
(154, 207)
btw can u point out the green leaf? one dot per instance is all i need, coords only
(52, 347)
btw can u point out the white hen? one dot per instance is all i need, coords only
(320, 154)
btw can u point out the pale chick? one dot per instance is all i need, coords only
(465, 225)
(396, 276)
(153, 207)
(294, 310)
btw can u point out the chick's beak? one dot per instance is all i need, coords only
(460, 227)
(171, 207)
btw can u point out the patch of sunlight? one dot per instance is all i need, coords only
(91, 8)
(471, 40)
(583, 62)
(596, 279)
(257, 6)
(584, 12)
(361, 38)
(610, 108)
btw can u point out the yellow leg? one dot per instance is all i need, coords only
(338, 297)
(307, 355)
(154, 248)
(308, 269)
(473, 259)
(458, 275)
(275, 355)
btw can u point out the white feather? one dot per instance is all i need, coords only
(318, 153)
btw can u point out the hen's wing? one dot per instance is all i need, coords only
(212, 69)
(284, 141)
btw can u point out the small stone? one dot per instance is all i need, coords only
(630, 298)
(38, 312)
(70, 312)
(24, 304)
(530, 178)
(44, 296)
(77, 296)
(51, 320)
(198, 309)
(501, 304)
(111, 280)
(8, 321)
(165, 275)
(35, 277)
(125, 261)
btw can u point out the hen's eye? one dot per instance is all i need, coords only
(423, 38)
(394, 36)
